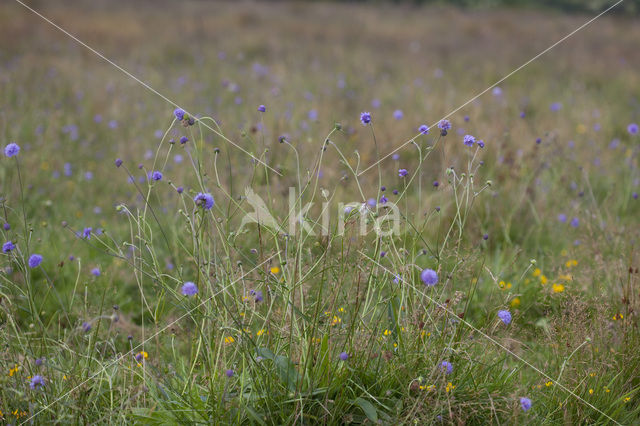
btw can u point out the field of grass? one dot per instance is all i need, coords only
(152, 306)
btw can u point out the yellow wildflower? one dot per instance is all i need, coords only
(275, 270)
(537, 272)
(515, 302)
(229, 339)
(558, 288)
(450, 387)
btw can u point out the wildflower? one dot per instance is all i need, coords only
(505, 316)
(402, 172)
(398, 114)
(632, 129)
(436, 184)
(262, 108)
(562, 217)
(118, 162)
(525, 403)
(590, 391)
(183, 140)
(204, 200)
(469, 140)
(515, 302)
(189, 289)
(86, 233)
(275, 270)
(95, 272)
(543, 279)
(343, 356)
(450, 387)
(6, 226)
(481, 143)
(485, 237)
(365, 118)
(229, 373)
(429, 277)
(39, 361)
(36, 382)
(549, 383)
(156, 175)
(444, 125)
(179, 190)
(8, 246)
(229, 339)
(424, 129)
(14, 370)
(447, 367)
(383, 199)
(556, 106)
(140, 356)
(35, 260)
(11, 150)
(575, 222)
(86, 327)
(179, 113)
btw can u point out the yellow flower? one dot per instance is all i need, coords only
(558, 288)
(565, 277)
(627, 399)
(549, 383)
(450, 387)
(570, 263)
(543, 279)
(386, 332)
(537, 272)
(563, 252)
(501, 284)
(336, 320)
(229, 339)
(275, 270)
(13, 370)
(590, 391)
(592, 374)
(341, 310)
(260, 332)
(515, 302)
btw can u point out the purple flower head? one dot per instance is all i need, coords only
(446, 367)
(505, 316)
(556, 106)
(179, 113)
(635, 195)
(525, 403)
(189, 289)
(522, 114)
(262, 108)
(11, 150)
(86, 233)
(424, 129)
(395, 157)
(37, 381)
(118, 162)
(398, 114)
(205, 200)
(184, 139)
(383, 199)
(469, 140)
(575, 222)
(444, 125)
(8, 246)
(95, 272)
(39, 361)
(466, 118)
(429, 277)
(34, 260)
(258, 296)
(6, 226)
(86, 327)
(497, 91)
(343, 356)
(562, 217)
(229, 373)
(436, 184)
(485, 237)
(632, 129)
(371, 202)
(402, 172)
(156, 175)
(481, 143)
(180, 190)
(365, 118)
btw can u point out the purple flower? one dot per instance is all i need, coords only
(262, 108)
(229, 373)
(447, 367)
(95, 272)
(383, 199)
(118, 162)
(522, 114)
(343, 356)
(556, 106)
(398, 114)
(631, 128)
(635, 195)
(6, 226)
(575, 222)
(179, 113)
(365, 118)
(395, 157)
(184, 139)
(481, 143)
(429, 277)
(424, 129)
(444, 125)
(525, 403)
(371, 202)
(39, 361)
(562, 217)
(258, 296)
(204, 200)
(34, 260)
(8, 246)
(37, 381)
(156, 175)
(497, 91)
(436, 184)
(86, 233)
(189, 289)
(469, 140)
(11, 150)
(180, 190)
(402, 172)
(505, 316)
(86, 327)
(485, 237)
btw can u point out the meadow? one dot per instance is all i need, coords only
(423, 255)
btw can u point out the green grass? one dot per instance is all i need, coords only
(279, 307)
